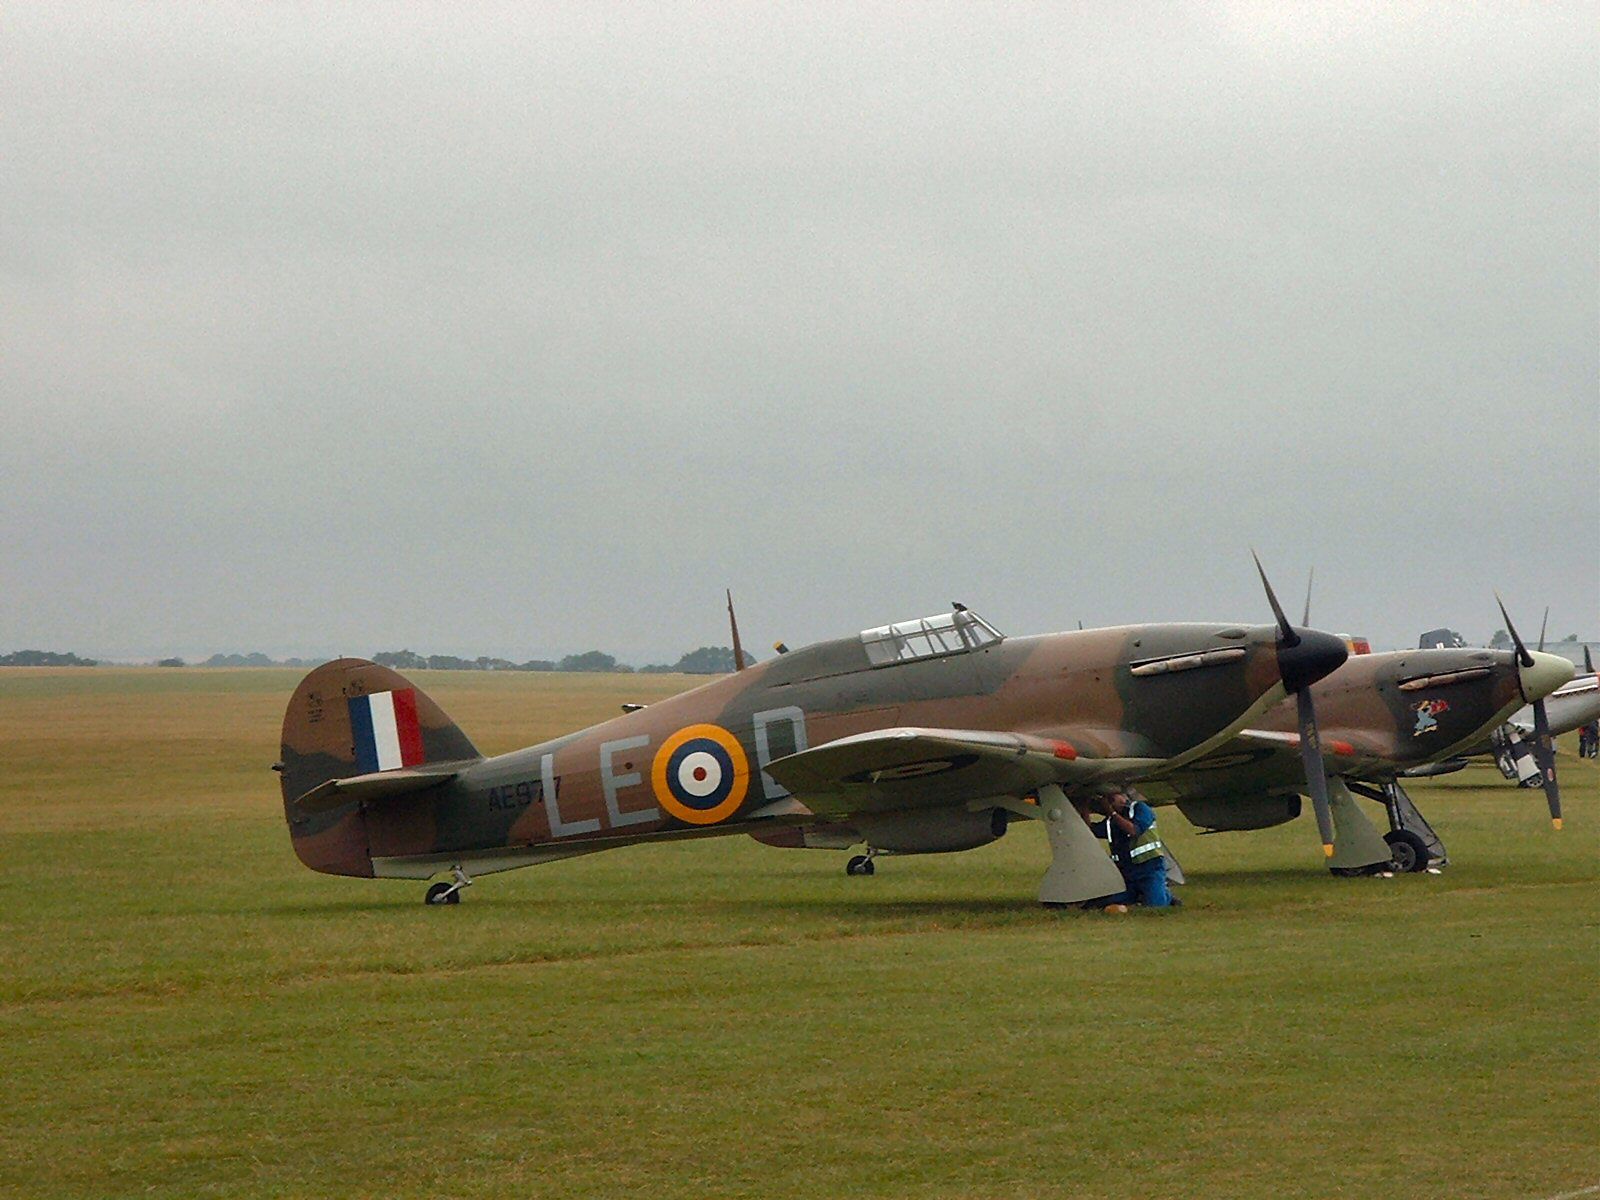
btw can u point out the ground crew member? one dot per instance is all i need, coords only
(1589, 740)
(1136, 849)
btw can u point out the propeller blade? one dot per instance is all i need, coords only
(1303, 658)
(1311, 577)
(1286, 634)
(1588, 661)
(1544, 753)
(1523, 657)
(1543, 625)
(1316, 772)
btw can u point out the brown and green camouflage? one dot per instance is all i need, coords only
(915, 738)
(1380, 717)
(931, 750)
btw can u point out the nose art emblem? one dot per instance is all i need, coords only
(1427, 711)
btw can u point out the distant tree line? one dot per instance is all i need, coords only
(1502, 640)
(44, 658)
(253, 659)
(707, 660)
(256, 659)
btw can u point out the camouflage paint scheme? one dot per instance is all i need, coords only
(1574, 704)
(934, 754)
(1379, 716)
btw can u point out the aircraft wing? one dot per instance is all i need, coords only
(1258, 761)
(895, 769)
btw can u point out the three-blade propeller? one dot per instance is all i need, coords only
(1298, 680)
(1544, 749)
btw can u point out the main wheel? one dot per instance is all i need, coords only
(440, 893)
(859, 865)
(1410, 852)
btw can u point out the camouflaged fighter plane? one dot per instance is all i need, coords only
(1381, 718)
(925, 736)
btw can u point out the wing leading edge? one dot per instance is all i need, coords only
(896, 769)
(1261, 761)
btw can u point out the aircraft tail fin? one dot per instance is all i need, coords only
(351, 719)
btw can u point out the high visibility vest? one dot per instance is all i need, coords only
(1145, 847)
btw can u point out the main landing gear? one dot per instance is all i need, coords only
(861, 864)
(448, 893)
(1409, 850)
(1412, 842)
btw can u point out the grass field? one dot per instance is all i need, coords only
(186, 1011)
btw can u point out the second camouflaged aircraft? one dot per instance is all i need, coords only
(925, 736)
(1376, 720)
(1382, 718)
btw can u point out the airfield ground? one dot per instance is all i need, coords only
(186, 1011)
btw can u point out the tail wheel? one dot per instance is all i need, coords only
(443, 893)
(859, 865)
(1409, 851)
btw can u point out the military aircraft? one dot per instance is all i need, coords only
(922, 736)
(1382, 718)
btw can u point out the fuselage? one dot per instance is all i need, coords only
(1151, 692)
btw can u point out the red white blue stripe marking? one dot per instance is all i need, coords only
(387, 734)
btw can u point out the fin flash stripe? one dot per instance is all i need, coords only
(385, 730)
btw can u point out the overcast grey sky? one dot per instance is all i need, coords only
(526, 329)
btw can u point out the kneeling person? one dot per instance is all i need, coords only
(1136, 849)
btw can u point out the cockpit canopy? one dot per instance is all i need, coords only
(928, 637)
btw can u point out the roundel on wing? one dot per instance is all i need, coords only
(1222, 762)
(700, 774)
(912, 770)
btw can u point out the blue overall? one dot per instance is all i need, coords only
(1147, 878)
